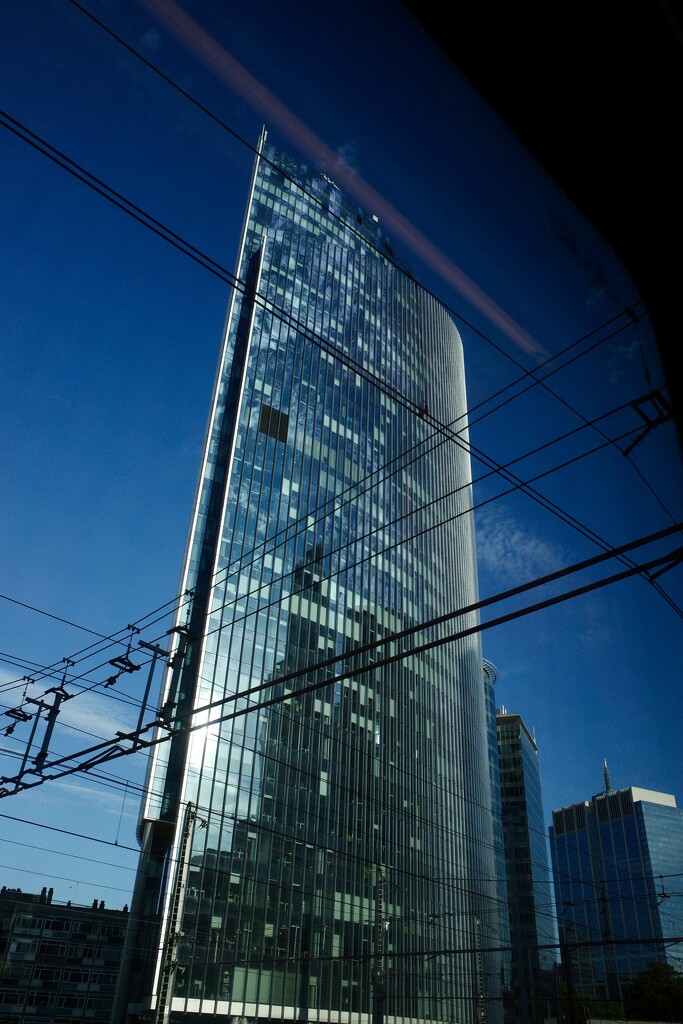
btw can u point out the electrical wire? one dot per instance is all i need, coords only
(246, 694)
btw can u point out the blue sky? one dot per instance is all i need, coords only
(110, 339)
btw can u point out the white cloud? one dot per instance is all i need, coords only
(97, 715)
(93, 798)
(12, 686)
(511, 551)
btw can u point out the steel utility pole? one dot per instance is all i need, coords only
(173, 936)
(378, 952)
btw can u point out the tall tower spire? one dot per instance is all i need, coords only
(608, 784)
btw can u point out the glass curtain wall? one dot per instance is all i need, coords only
(613, 861)
(316, 834)
(532, 927)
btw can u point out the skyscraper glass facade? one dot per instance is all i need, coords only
(316, 833)
(532, 923)
(496, 925)
(617, 862)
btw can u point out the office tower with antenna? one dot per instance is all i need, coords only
(617, 867)
(316, 833)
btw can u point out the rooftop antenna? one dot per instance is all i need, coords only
(608, 784)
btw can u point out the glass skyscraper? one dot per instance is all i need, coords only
(617, 864)
(496, 925)
(316, 833)
(532, 921)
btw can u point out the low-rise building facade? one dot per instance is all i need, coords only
(59, 963)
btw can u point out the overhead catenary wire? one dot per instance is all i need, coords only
(75, 678)
(114, 640)
(670, 558)
(153, 224)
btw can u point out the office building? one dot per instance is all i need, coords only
(532, 926)
(495, 927)
(58, 963)
(316, 832)
(617, 864)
